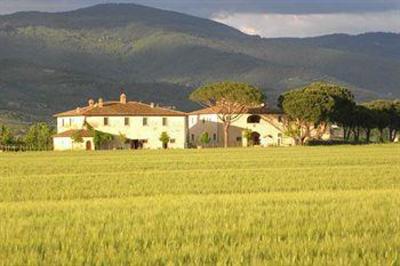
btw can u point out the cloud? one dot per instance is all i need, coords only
(306, 25)
(291, 6)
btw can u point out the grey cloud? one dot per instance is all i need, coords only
(307, 25)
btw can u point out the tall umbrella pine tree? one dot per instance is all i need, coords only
(313, 107)
(229, 100)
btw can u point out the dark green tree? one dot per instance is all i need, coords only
(312, 108)
(363, 120)
(229, 100)
(383, 110)
(395, 119)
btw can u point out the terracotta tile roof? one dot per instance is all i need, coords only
(255, 111)
(69, 133)
(120, 109)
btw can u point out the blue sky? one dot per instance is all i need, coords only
(268, 18)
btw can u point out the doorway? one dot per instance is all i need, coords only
(136, 144)
(88, 145)
(255, 138)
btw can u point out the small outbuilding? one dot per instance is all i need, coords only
(74, 139)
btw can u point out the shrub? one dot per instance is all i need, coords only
(204, 138)
(164, 138)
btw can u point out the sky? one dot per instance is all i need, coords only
(267, 18)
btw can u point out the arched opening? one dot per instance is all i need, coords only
(88, 145)
(253, 119)
(255, 138)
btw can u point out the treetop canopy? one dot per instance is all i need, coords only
(228, 92)
(318, 102)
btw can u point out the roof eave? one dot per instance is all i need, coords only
(92, 115)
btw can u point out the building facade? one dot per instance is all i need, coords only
(133, 125)
(258, 127)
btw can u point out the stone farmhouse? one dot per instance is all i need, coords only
(141, 125)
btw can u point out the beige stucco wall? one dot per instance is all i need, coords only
(68, 123)
(62, 144)
(210, 123)
(67, 144)
(176, 128)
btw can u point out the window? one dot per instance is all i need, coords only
(70, 121)
(172, 141)
(126, 122)
(62, 122)
(215, 137)
(192, 137)
(164, 121)
(253, 119)
(105, 122)
(203, 120)
(238, 139)
(145, 121)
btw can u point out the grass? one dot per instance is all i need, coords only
(279, 206)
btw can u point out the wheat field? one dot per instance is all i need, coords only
(275, 206)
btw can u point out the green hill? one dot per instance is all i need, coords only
(50, 62)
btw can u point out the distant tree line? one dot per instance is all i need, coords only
(37, 138)
(314, 107)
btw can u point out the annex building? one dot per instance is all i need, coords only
(265, 127)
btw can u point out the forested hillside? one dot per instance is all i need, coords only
(52, 62)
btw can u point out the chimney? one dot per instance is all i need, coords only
(152, 105)
(91, 102)
(122, 98)
(78, 110)
(101, 102)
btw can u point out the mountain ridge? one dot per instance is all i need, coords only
(50, 62)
